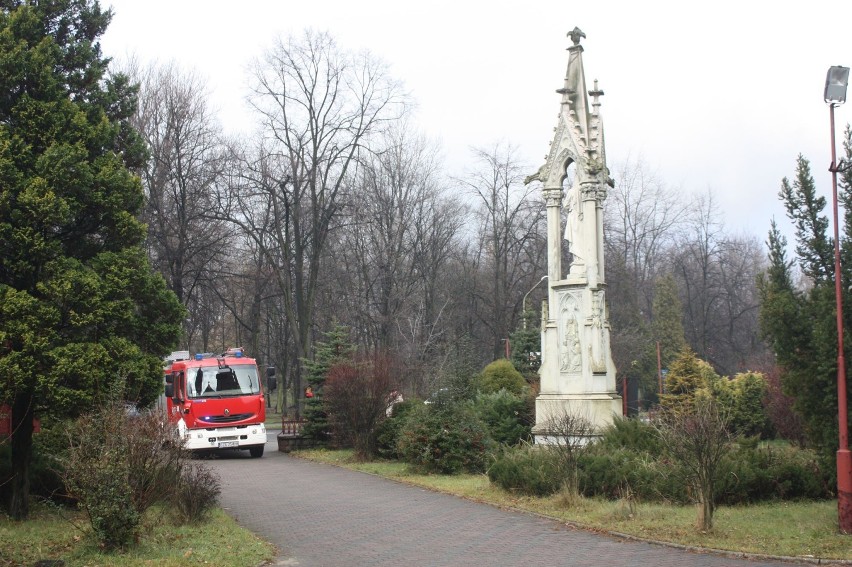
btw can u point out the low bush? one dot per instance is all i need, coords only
(633, 434)
(119, 465)
(527, 469)
(198, 493)
(387, 434)
(97, 474)
(445, 439)
(626, 458)
(611, 472)
(753, 474)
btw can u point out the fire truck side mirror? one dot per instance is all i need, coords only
(170, 390)
(170, 378)
(271, 380)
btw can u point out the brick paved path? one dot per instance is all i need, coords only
(320, 515)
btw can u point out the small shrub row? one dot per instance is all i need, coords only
(629, 458)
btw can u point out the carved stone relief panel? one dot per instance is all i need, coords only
(597, 333)
(570, 351)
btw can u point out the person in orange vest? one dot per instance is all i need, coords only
(309, 392)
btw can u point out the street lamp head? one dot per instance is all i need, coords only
(835, 84)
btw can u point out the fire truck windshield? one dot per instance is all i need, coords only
(213, 382)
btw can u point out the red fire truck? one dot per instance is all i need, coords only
(216, 401)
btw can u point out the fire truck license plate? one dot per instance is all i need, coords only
(223, 444)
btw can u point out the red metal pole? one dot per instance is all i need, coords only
(844, 458)
(624, 395)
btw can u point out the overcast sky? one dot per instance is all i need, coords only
(719, 96)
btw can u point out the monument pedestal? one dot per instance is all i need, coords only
(577, 371)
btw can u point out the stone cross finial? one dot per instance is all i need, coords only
(575, 35)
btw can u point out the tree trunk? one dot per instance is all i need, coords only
(705, 510)
(22, 451)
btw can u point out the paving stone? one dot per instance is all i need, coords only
(325, 516)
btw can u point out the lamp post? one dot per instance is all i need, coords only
(524, 302)
(835, 94)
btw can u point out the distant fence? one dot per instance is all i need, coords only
(291, 435)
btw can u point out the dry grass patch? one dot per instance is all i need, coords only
(52, 534)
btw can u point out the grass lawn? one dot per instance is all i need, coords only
(56, 534)
(793, 529)
(273, 419)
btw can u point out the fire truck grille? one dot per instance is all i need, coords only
(227, 418)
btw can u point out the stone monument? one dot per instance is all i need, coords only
(577, 371)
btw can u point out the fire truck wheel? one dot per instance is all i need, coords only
(256, 452)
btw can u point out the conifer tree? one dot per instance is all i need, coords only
(526, 346)
(79, 306)
(799, 322)
(334, 349)
(687, 376)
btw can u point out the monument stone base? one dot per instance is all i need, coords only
(596, 411)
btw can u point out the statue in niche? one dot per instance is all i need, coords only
(574, 220)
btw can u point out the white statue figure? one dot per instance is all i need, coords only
(574, 219)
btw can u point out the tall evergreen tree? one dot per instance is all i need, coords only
(79, 306)
(336, 348)
(800, 323)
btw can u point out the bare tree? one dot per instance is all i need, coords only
(319, 107)
(717, 275)
(569, 430)
(642, 219)
(396, 186)
(184, 140)
(698, 440)
(510, 248)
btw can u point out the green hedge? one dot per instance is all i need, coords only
(527, 469)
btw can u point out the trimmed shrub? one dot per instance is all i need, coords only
(501, 375)
(445, 439)
(509, 418)
(633, 434)
(609, 472)
(752, 474)
(527, 469)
